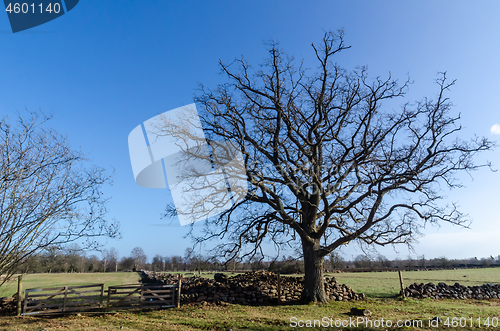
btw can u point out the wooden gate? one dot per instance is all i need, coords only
(63, 299)
(141, 296)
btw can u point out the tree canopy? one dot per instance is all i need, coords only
(325, 163)
(49, 195)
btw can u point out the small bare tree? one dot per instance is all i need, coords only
(140, 258)
(113, 258)
(335, 260)
(47, 195)
(105, 259)
(325, 165)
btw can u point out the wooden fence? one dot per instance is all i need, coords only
(63, 299)
(90, 298)
(143, 296)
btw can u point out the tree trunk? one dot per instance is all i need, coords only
(314, 285)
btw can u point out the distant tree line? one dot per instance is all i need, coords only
(365, 261)
(73, 259)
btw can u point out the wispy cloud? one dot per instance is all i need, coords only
(495, 129)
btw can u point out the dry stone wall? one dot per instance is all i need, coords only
(455, 291)
(251, 288)
(8, 305)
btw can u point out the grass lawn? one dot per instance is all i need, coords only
(379, 286)
(236, 317)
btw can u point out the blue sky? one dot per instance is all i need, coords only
(107, 66)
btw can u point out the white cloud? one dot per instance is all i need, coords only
(495, 129)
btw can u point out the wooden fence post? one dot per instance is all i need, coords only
(19, 293)
(65, 297)
(401, 284)
(101, 302)
(142, 296)
(109, 294)
(179, 284)
(279, 288)
(25, 306)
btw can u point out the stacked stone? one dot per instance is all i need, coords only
(455, 291)
(252, 288)
(8, 305)
(340, 292)
(157, 278)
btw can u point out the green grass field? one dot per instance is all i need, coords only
(274, 318)
(379, 287)
(386, 284)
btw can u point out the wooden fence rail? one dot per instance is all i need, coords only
(63, 299)
(142, 296)
(89, 298)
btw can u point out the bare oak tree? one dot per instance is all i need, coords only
(325, 164)
(48, 196)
